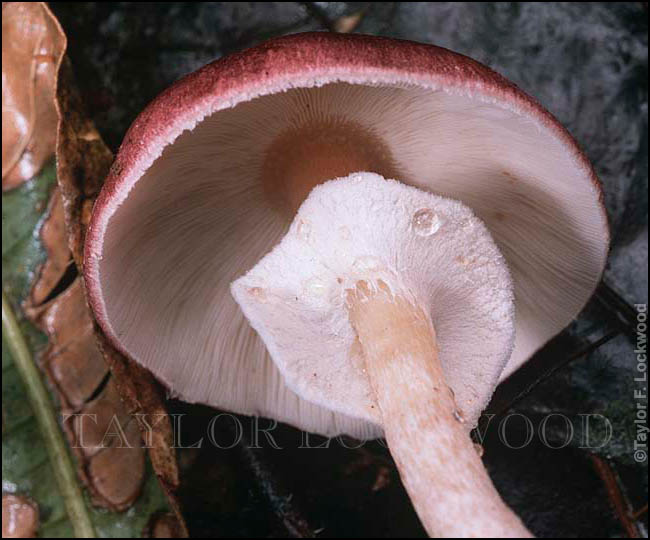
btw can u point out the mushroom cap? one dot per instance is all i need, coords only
(189, 202)
(431, 250)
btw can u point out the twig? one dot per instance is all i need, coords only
(295, 524)
(502, 407)
(616, 497)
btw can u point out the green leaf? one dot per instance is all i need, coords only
(36, 460)
(22, 211)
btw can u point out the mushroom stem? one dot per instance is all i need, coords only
(439, 466)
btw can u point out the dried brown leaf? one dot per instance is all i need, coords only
(32, 47)
(19, 517)
(112, 469)
(83, 161)
(163, 525)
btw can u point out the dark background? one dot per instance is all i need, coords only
(587, 63)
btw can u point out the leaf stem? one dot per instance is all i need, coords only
(41, 403)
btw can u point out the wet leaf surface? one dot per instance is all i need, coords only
(57, 261)
(112, 467)
(32, 47)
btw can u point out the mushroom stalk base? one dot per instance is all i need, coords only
(439, 466)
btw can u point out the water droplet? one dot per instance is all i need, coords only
(425, 222)
(365, 263)
(479, 449)
(458, 416)
(258, 293)
(315, 287)
(304, 230)
(466, 224)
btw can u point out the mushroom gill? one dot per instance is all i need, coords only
(204, 209)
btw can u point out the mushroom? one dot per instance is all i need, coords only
(210, 176)
(379, 299)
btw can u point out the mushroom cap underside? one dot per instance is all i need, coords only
(191, 202)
